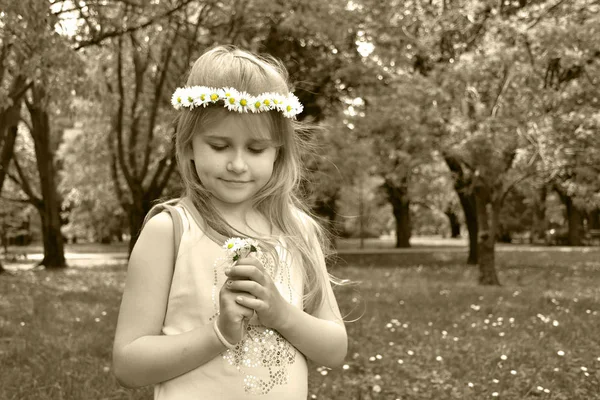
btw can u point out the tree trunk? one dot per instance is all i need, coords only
(54, 254)
(400, 200)
(487, 218)
(469, 206)
(136, 213)
(594, 219)
(539, 215)
(9, 120)
(454, 223)
(326, 209)
(462, 184)
(574, 219)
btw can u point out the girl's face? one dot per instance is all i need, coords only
(232, 161)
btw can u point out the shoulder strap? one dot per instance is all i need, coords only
(175, 216)
(177, 226)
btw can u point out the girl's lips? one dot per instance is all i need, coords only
(234, 181)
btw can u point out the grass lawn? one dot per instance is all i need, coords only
(426, 330)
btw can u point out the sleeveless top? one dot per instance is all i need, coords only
(263, 365)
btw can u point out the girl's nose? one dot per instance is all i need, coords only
(237, 164)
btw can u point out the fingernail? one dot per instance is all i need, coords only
(227, 270)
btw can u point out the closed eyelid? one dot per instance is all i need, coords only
(226, 140)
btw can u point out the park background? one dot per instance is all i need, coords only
(457, 171)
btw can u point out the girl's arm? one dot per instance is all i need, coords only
(141, 354)
(321, 337)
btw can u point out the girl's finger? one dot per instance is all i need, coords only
(247, 286)
(250, 260)
(254, 304)
(248, 272)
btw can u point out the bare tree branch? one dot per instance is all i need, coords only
(140, 65)
(24, 184)
(505, 81)
(162, 69)
(118, 124)
(543, 14)
(119, 32)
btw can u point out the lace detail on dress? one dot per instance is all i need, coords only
(260, 347)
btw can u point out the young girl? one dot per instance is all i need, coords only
(197, 321)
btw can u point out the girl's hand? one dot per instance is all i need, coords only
(249, 276)
(232, 314)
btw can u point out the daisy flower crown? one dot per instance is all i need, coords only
(234, 100)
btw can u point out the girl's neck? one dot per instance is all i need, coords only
(246, 220)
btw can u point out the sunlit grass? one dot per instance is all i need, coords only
(426, 331)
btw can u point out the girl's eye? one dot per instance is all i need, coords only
(217, 148)
(256, 151)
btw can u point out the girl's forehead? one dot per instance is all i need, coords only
(240, 126)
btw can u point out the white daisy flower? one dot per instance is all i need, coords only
(229, 92)
(278, 101)
(266, 102)
(215, 95)
(200, 95)
(177, 98)
(244, 101)
(187, 100)
(255, 105)
(232, 102)
(291, 106)
(239, 248)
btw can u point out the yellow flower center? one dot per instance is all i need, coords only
(267, 102)
(257, 104)
(231, 100)
(190, 99)
(289, 108)
(179, 99)
(202, 97)
(214, 97)
(230, 245)
(243, 102)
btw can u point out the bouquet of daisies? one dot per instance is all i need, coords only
(239, 248)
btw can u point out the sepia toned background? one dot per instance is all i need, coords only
(458, 171)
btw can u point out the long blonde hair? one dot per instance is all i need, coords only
(278, 200)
